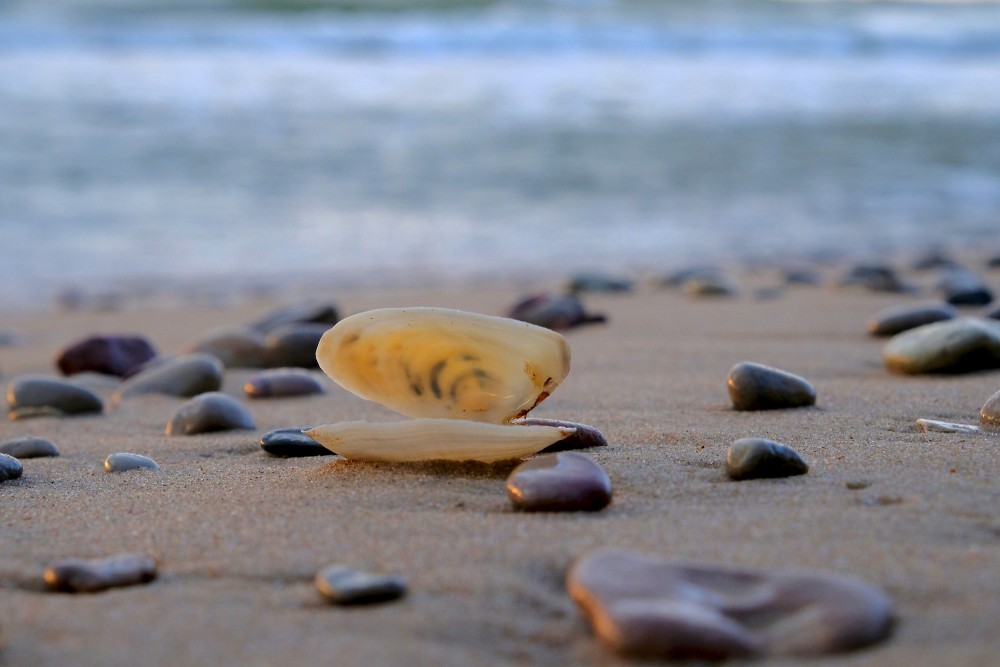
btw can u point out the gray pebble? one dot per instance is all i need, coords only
(123, 461)
(10, 468)
(283, 382)
(756, 458)
(759, 387)
(77, 575)
(651, 607)
(292, 442)
(312, 311)
(344, 585)
(234, 347)
(584, 438)
(677, 278)
(903, 317)
(29, 447)
(954, 346)
(562, 482)
(186, 376)
(989, 415)
(961, 287)
(874, 277)
(294, 345)
(36, 395)
(211, 411)
(598, 282)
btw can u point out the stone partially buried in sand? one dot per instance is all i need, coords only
(185, 376)
(234, 347)
(10, 468)
(759, 387)
(645, 606)
(211, 411)
(903, 317)
(110, 355)
(78, 575)
(585, 436)
(36, 395)
(758, 458)
(955, 346)
(29, 447)
(290, 443)
(123, 461)
(562, 482)
(283, 383)
(344, 585)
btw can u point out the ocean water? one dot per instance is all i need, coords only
(153, 144)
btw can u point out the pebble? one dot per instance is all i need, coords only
(598, 282)
(312, 311)
(235, 348)
(211, 411)
(961, 345)
(802, 277)
(76, 575)
(124, 461)
(652, 607)
(874, 277)
(961, 287)
(759, 387)
(292, 442)
(36, 395)
(110, 355)
(681, 276)
(757, 458)
(29, 447)
(903, 317)
(553, 311)
(563, 482)
(344, 585)
(708, 286)
(10, 468)
(993, 262)
(584, 438)
(187, 375)
(294, 345)
(934, 258)
(935, 426)
(989, 415)
(283, 382)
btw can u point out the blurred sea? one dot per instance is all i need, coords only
(254, 142)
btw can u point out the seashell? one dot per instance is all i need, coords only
(448, 364)
(426, 439)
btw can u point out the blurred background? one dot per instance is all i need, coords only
(246, 144)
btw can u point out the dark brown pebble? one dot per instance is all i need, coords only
(283, 382)
(110, 355)
(90, 576)
(585, 436)
(553, 311)
(755, 458)
(759, 387)
(562, 482)
(211, 411)
(29, 447)
(344, 585)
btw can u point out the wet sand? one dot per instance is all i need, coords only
(238, 535)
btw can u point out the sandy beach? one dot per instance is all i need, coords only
(238, 535)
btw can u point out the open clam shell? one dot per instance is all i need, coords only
(448, 364)
(430, 439)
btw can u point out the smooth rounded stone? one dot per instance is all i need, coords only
(10, 467)
(708, 286)
(211, 411)
(553, 311)
(234, 347)
(598, 282)
(677, 278)
(989, 414)
(306, 312)
(802, 277)
(123, 461)
(110, 355)
(187, 375)
(961, 345)
(29, 447)
(292, 442)
(77, 575)
(585, 436)
(344, 585)
(962, 287)
(935, 426)
(759, 387)
(283, 382)
(902, 317)
(36, 395)
(757, 458)
(645, 606)
(874, 277)
(562, 482)
(294, 345)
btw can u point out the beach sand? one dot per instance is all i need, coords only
(238, 535)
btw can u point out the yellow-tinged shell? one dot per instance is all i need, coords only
(431, 439)
(448, 364)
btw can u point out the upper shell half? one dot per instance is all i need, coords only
(448, 364)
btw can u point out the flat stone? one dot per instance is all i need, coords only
(558, 312)
(961, 345)
(186, 376)
(77, 575)
(903, 317)
(123, 461)
(294, 345)
(211, 411)
(35, 395)
(935, 426)
(962, 287)
(584, 438)
(756, 458)
(110, 355)
(292, 442)
(234, 347)
(874, 277)
(645, 606)
(562, 482)
(10, 467)
(312, 311)
(989, 415)
(344, 585)
(598, 282)
(29, 447)
(283, 382)
(759, 387)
